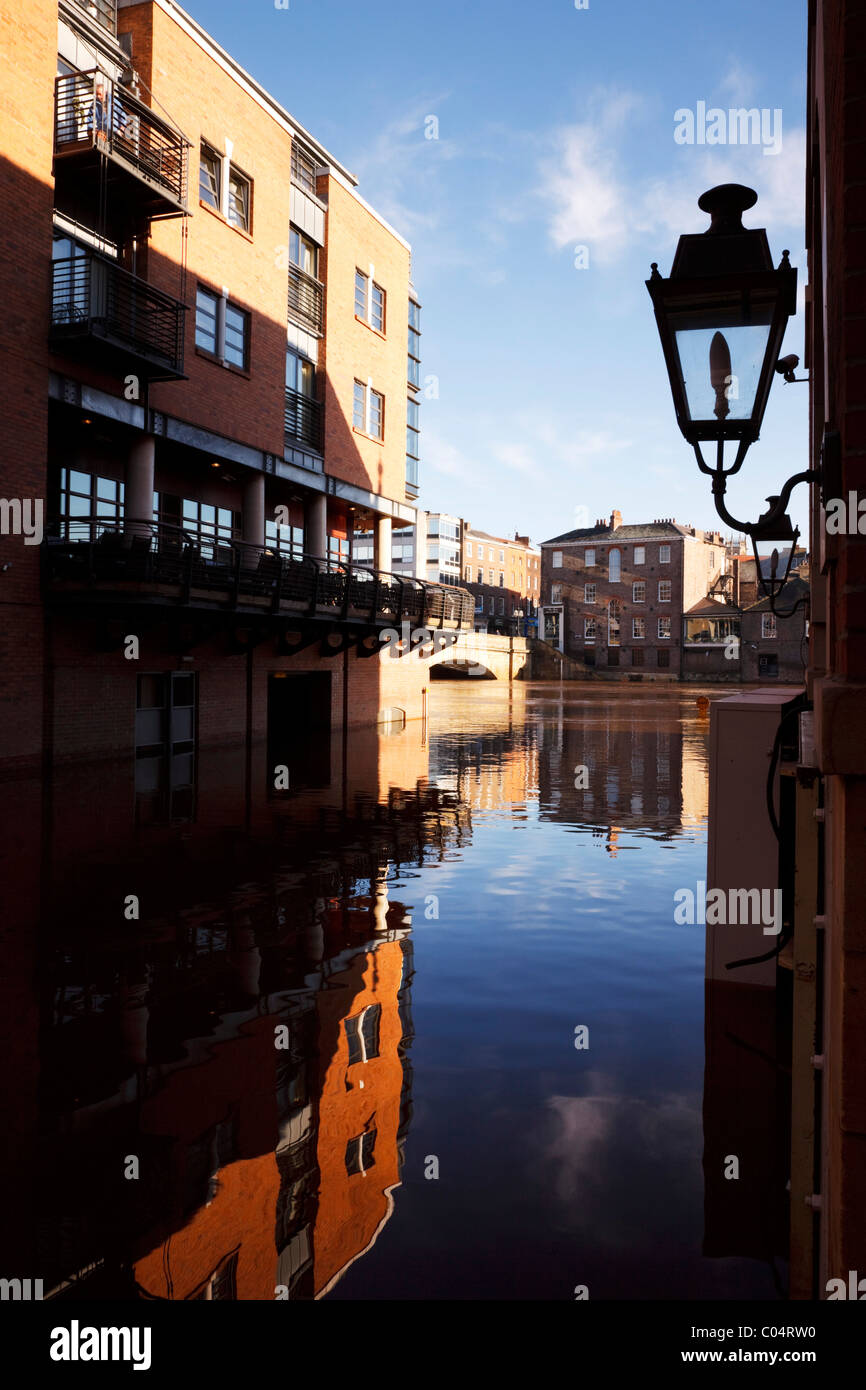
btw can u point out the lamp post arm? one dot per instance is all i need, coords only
(775, 513)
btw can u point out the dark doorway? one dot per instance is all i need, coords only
(299, 730)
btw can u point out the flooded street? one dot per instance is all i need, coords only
(428, 1031)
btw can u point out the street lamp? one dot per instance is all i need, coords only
(721, 317)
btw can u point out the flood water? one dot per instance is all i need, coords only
(427, 1032)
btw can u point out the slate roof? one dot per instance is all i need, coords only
(795, 588)
(622, 533)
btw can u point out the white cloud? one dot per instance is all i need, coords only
(592, 199)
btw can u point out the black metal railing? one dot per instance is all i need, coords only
(92, 112)
(180, 566)
(91, 295)
(103, 11)
(306, 296)
(304, 419)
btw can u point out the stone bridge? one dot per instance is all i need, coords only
(483, 656)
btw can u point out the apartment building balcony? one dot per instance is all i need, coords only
(99, 563)
(101, 128)
(103, 12)
(306, 299)
(304, 419)
(102, 313)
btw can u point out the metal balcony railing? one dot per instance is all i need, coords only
(304, 419)
(93, 113)
(156, 561)
(92, 297)
(306, 297)
(103, 11)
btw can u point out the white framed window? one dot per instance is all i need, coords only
(502, 557)
(589, 558)
(613, 623)
(638, 591)
(501, 579)
(664, 554)
(556, 559)
(664, 627)
(589, 629)
(638, 628)
(640, 554)
(613, 566)
(468, 575)
(369, 302)
(664, 591)
(240, 199)
(502, 607)
(490, 552)
(556, 593)
(377, 308)
(480, 579)
(490, 576)
(492, 607)
(468, 550)
(368, 410)
(589, 593)
(768, 625)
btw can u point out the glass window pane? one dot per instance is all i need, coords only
(80, 482)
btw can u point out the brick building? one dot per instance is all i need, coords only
(214, 359)
(614, 596)
(505, 578)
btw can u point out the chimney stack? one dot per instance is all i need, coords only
(615, 520)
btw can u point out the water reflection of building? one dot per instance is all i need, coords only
(156, 1033)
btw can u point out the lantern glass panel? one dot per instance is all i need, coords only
(721, 358)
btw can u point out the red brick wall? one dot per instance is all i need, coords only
(26, 138)
(353, 350)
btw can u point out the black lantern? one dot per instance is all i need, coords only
(721, 318)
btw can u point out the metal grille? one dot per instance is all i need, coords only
(304, 419)
(92, 294)
(120, 126)
(305, 298)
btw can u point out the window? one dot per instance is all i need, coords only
(502, 607)
(235, 342)
(362, 1033)
(501, 580)
(664, 554)
(209, 177)
(165, 747)
(239, 199)
(589, 593)
(613, 567)
(768, 664)
(664, 627)
(338, 550)
(303, 169)
(84, 495)
(638, 628)
(640, 555)
(469, 550)
(613, 625)
(360, 295)
(768, 625)
(480, 579)
(222, 328)
(206, 305)
(589, 558)
(556, 559)
(303, 253)
(637, 656)
(502, 557)
(479, 603)
(490, 576)
(664, 591)
(589, 629)
(414, 372)
(211, 527)
(359, 1153)
(663, 658)
(377, 308)
(556, 593)
(368, 411)
(413, 436)
(468, 574)
(492, 605)
(638, 591)
(286, 540)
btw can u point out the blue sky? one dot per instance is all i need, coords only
(555, 130)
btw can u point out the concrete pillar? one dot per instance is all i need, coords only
(382, 554)
(316, 526)
(254, 509)
(138, 499)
